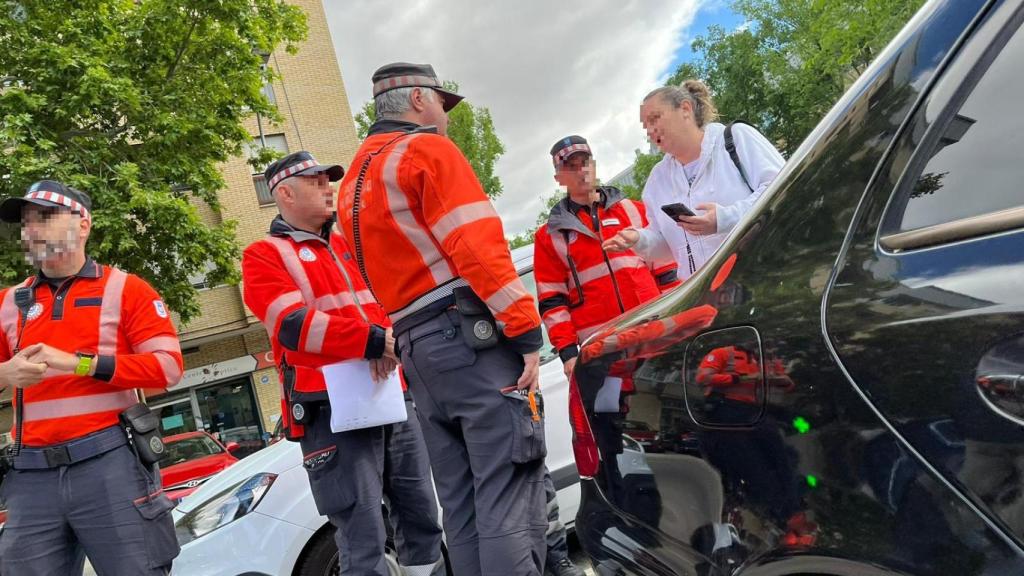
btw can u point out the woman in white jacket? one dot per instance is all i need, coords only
(697, 171)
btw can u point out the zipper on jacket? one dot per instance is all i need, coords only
(348, 281)
(596, 217)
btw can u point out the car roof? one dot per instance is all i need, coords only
(522, 258)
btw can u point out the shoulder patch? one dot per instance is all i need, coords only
(161, 310)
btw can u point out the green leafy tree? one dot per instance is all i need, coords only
(642, 167)
(472, 130)
(793, 60)
(138, 104)
(526, 238)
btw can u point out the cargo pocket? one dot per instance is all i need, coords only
(527, 432)
(158, 529)
(331, 492)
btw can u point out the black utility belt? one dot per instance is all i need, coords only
(465, 311)
(71, 452)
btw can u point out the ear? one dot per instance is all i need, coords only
(418, 99)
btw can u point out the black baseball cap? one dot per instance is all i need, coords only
(299, 163)
(49, 194)
(405, 75)
(568, 146)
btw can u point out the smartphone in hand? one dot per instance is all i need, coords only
(676, 210)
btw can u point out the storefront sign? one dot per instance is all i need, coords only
(217, 371)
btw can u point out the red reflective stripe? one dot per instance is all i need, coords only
(159, 344)
(79, 405)
(632, 214)
(599, 271)
(330, 302)
(465, 214)
(279, 305)
(110, 312)
(556, 318)
(291, 170)
(398, 205)
(560, 247)
(403, 81)
(560, 287)
(169, 365)
(316, 333)
(504, 297)
(293, 266)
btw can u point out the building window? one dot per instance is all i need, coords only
(278, 143)
(268, 92)
(198, 279)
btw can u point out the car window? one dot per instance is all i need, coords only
(972, 166)
(547, 353)
(188, 449)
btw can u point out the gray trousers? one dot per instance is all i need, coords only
(558, 546)
(493, 509)
(107, 508)
(350, 473)
(412, 508)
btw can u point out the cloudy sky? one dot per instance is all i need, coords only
(544, 69)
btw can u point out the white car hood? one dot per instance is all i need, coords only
(274, 459)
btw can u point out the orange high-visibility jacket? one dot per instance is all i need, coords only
(579, 285)
(316, 309)
(101, 311)
(732, 372)
(425, 226)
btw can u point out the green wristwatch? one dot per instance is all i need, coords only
(84, 364)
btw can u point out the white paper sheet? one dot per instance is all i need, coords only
(359, 402)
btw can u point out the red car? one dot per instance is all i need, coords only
(641, 432)
(191, 459)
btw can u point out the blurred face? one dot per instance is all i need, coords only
(49, 235)
(310, 199)
(433, 112)
(672, 130)
(577, 173)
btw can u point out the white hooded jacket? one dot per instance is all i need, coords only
(718, 181)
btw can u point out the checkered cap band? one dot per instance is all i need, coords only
(402, 82)
(291, 170)
(58, 198)
(564, 153)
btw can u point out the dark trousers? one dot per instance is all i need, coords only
(493, 509)
(345, 476)
(558, 546)
(108, 508)
(412, 508)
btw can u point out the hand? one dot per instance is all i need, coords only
(703, 224)
(381, 368)
(531, 372)
(20, 371)
(389, 346)
(57, 361)
(568, 365)
(624, 240)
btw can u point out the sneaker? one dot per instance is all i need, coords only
(565, 567)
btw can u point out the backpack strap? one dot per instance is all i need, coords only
(730, 147)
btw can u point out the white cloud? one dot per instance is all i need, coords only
(544, 69)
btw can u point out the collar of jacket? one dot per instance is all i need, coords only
(386, 126)
(279, 227)
(89, 270)
(563, 215)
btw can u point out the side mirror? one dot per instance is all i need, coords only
(232, 447)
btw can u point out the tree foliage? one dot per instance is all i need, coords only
(470, 128)
(792, 61)
(138, 104)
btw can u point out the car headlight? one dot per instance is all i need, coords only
(223, 508)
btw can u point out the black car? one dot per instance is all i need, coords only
(880, 285)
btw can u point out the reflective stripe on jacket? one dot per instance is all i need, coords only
(579, 285)
(425, 223)
(100, 311)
